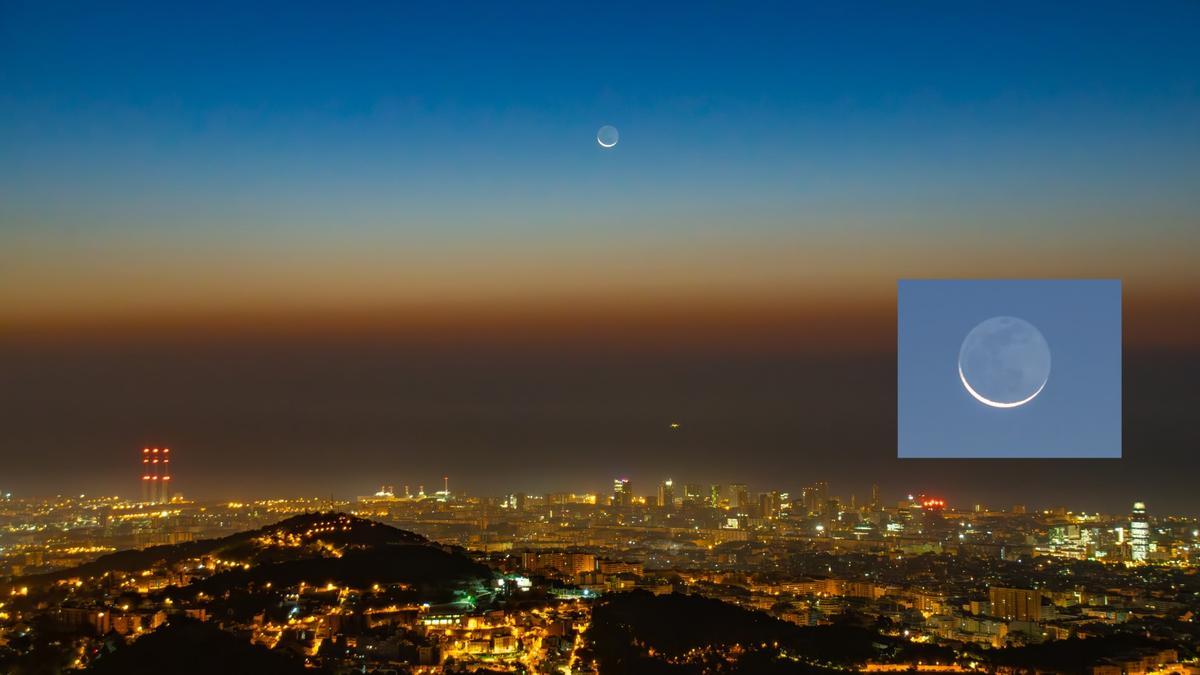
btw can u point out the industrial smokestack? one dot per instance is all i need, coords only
(165, 483)
(155, 470)
(145, 474)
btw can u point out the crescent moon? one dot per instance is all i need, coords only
(997, 404)
(605, 145)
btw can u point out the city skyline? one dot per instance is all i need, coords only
(620, 490)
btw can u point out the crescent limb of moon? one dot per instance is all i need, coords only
(997, 404)
(605, 145)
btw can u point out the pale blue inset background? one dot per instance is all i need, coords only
(1078, 414)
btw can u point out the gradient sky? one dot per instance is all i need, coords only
(261, 232)
(1077, 414)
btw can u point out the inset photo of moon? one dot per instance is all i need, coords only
(1009, 368)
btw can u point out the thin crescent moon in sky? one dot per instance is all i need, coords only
(608, 136)
(997, 404)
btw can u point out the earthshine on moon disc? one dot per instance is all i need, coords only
(607, 136)
(1004, 362)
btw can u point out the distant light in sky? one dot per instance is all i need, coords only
(607, 136)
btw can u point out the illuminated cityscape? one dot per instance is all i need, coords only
(514, 582)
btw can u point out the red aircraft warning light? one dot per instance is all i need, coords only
(933, 503)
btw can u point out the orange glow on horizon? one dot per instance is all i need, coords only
(834, 320)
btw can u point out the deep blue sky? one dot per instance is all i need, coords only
(1078, 414)
(457, 117)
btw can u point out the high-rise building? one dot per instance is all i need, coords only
(693, 494)
(769, 505)
(714, 497)
(1139, 533)
(622, 492)
(876, 504)
(739, 496)
(666, 494)
(1017, 604)
(813, 497)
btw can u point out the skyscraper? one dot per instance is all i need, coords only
(622, 492)
(666, 494)
(1139, 533)
(813, 497)
(714, 498)
(739, 495)
(769, 504)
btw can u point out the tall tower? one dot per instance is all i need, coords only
(1139, 533)
(821, 496)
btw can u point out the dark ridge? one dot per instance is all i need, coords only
(640, 632)
(359, 532)
(418, 565)
(184, 647)
(1074, 655)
